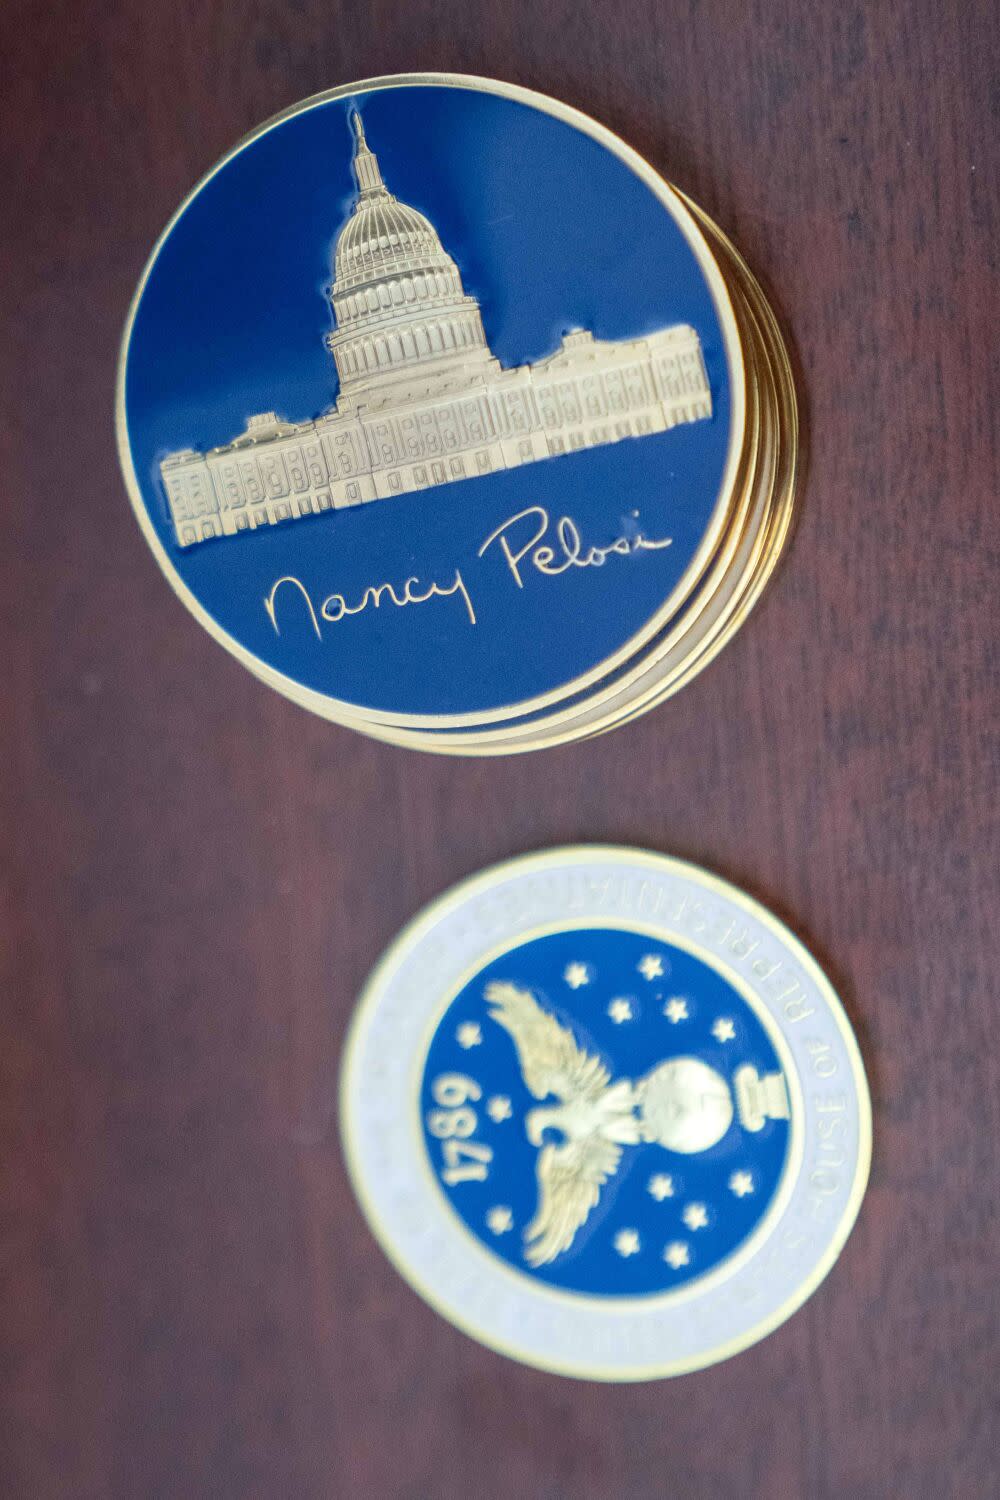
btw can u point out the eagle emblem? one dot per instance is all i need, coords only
(683, 1105)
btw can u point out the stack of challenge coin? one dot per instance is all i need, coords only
(605, 1113)
(453, 421)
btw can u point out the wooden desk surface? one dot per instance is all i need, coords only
(197, 875)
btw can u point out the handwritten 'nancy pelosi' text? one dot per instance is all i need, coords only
(525, 541)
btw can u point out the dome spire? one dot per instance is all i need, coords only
(365, 161)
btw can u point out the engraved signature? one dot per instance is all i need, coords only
(527, 538)
(335, 607)
(569, 552)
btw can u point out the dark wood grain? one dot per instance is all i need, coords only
(197, 875)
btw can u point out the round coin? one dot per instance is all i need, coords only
(432, 404)
(605, 1113)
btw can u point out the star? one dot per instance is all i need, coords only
(741, 1183)
(627, 1242)
(620, 1010)
(676, 1254)
(468, 1035)
(576, 974)
(499, 1219)
(498, 1108)
(650, 967)
(660, 1186)
(676, 1010)
(723, 1030)
(695, 1216)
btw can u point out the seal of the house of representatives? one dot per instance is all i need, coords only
(606, 1114)
(452, 420)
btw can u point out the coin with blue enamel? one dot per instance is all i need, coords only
(606, 1113)
(432, 403)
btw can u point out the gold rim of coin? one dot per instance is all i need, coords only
(777, 533)
(566, 722)
(373, 721)
(677, 658)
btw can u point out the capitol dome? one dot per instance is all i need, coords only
(398, 300)
(383, 235)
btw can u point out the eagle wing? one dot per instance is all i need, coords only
(570, 1179)
(551, 1062)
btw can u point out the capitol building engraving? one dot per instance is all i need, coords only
(422, 400)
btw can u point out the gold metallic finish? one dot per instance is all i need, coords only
(676, 640)
(749, 554)
(396, 728)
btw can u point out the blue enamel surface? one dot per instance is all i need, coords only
(551, 231)
(630, 1049)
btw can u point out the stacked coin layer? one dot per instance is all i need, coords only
(527, 450)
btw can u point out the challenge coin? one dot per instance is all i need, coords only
(434, 408)
(606, 1114)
